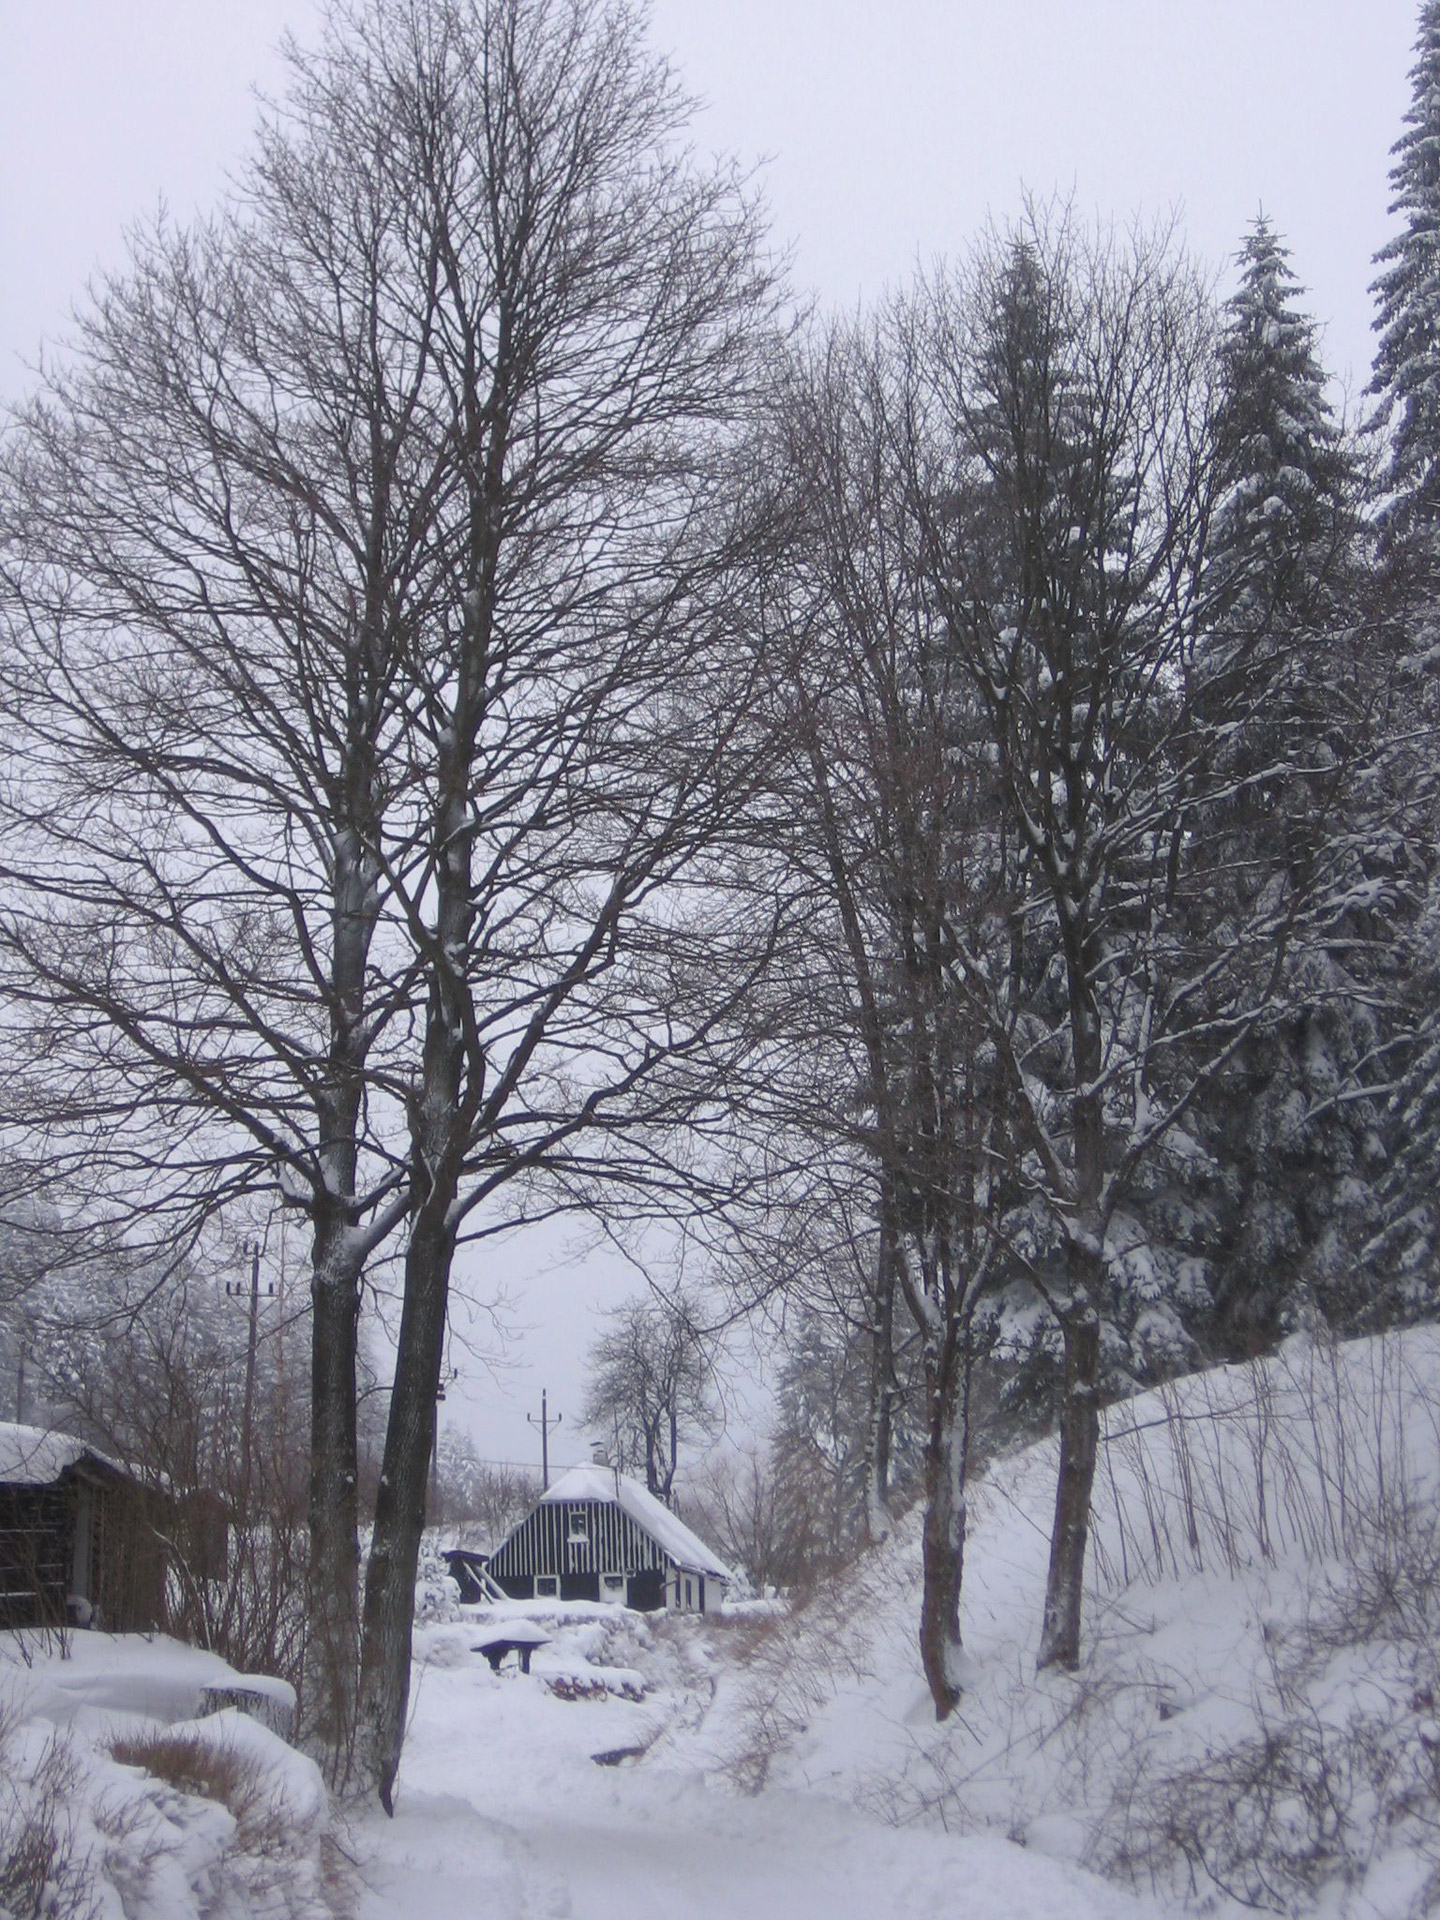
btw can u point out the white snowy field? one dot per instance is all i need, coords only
(1256, 1724)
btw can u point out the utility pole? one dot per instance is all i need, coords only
(545, 1423)
(433, 1513)
(237, 1289)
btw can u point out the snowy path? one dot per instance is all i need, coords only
(503, 1812)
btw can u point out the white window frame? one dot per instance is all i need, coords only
(547, 1586)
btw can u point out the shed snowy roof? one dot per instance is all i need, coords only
(668, 1532)
(34, 1456)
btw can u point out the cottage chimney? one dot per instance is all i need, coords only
(598, 1456)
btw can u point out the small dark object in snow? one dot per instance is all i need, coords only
(267, 1705)
(618, 1756)
(515, 1637)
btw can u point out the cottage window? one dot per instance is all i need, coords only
(612, 1586)
(547, 1586)
(579, 1527)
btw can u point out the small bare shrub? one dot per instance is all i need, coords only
(568, 1686)
(799, 1662)
(213, 1770)
(1325, 1433)
(43, 1874)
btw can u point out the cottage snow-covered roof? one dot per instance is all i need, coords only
(669, 1533)
(34, 1456)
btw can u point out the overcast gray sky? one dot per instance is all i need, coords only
(890, 132)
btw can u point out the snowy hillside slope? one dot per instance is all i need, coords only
(1256, 1722)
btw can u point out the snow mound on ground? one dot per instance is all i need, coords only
(1256, 1720)
(117, 1803)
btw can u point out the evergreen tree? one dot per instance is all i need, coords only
(1279, 448)
(1292, 1125)
(1407, 362)
(1403, 1255)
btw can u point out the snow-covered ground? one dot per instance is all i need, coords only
(503, 1809)
(1256, 1722)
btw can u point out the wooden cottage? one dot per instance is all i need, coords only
(79, 1540)
(599, 1535)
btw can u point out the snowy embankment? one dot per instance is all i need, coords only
(1256, 1722)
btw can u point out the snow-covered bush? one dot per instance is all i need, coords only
(437, 1593)
(209, 1818)
(43, 1871)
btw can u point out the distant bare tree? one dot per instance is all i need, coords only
(652, 1377)
(481, 1498)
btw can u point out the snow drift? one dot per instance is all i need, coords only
(1256, 1721)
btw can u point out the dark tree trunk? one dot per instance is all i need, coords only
(332, 1652)
(1070, 1533)
(1079, 1413)
(333, 1628)
(879, 1438)
(400, 1501)
(943, 1539)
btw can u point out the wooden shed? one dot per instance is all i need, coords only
(599, 1535)
(80, 1537)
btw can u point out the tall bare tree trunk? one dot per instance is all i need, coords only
(400, 1502)
(943, 1538)
(333, 1602)
(441, 1116)
(1079, 1448)
(1079, 1412)
(880, 1436)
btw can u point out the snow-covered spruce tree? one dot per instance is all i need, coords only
(1070, 488)
(1287, 477)
(1404, 1254)
(1406, 376)
(1289, 1125)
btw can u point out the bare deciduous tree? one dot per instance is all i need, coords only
(364, 657)
(652, 1380)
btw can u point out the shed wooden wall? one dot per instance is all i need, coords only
(39, 1534)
